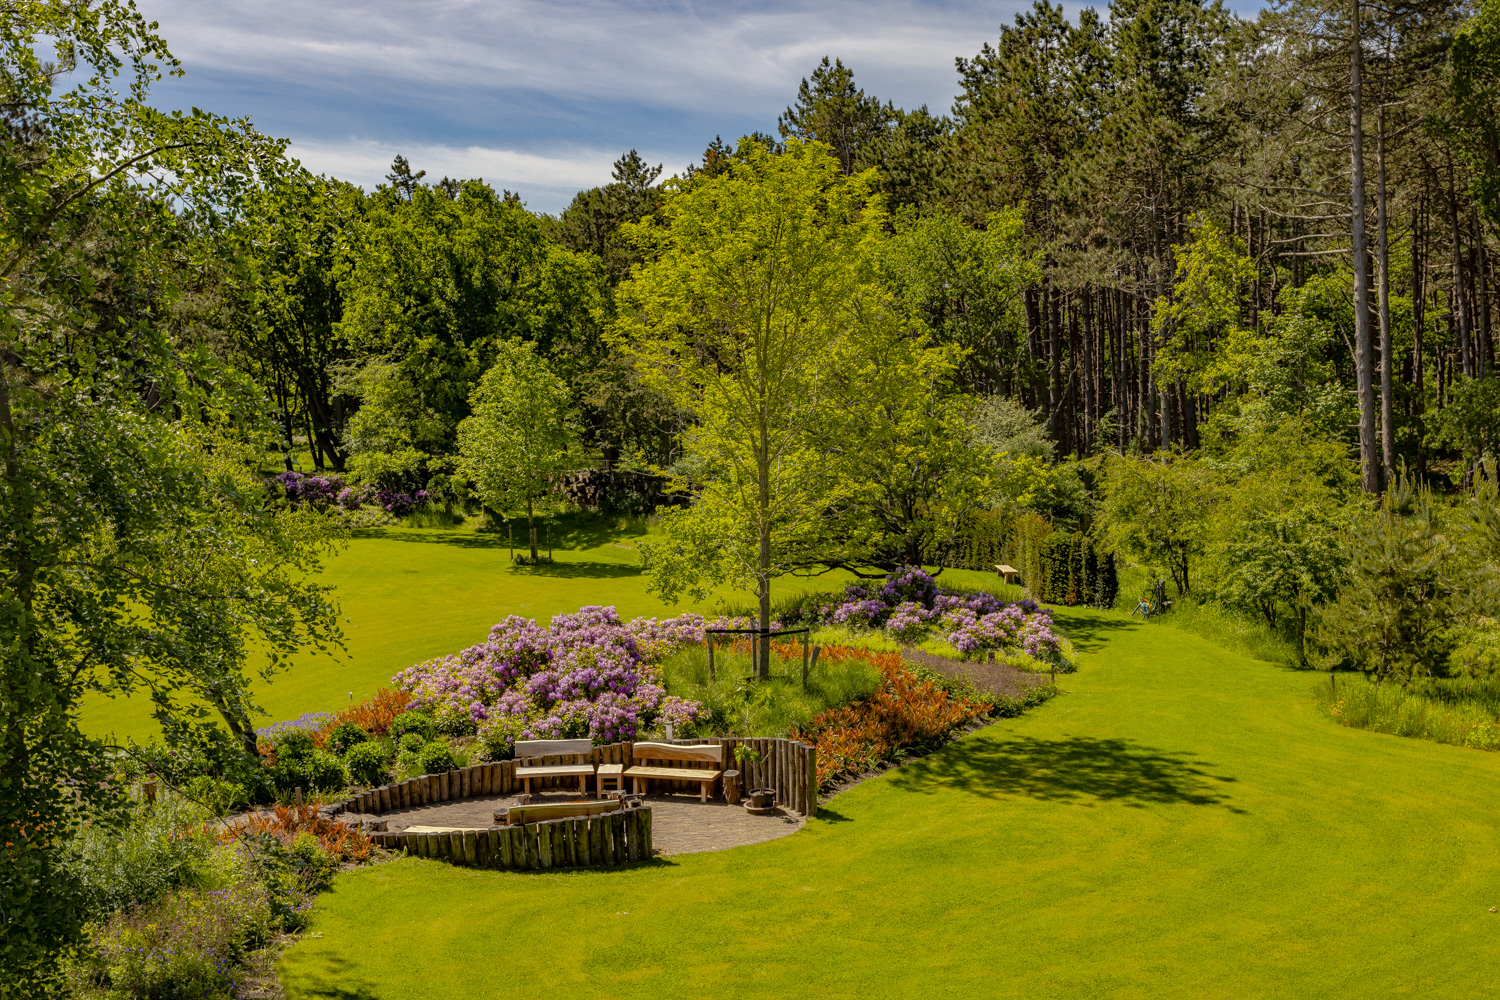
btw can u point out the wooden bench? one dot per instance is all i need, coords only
(553, 810)
(529, 750)
(641, 774)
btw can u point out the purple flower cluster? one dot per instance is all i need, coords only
(323, 492)
(588, 674)
(1013, 627)
(909, 603)
(309, 722)
(320, 491)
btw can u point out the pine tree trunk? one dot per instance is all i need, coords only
(1383, 271)
(1364, 346)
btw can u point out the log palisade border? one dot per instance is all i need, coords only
(617, 838)
(788, 766)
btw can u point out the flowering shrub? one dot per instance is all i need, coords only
(1010, 628)
(189, 944)
(324, 492)
(909, 605)
(586, 675)
(904, 713)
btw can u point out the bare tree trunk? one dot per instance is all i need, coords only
(531, 529)
(1460, 300)
(1383, 271)
(1364, 346)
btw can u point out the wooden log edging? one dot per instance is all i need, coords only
(617, 838)
(788, 766)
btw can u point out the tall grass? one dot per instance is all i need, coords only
(1239, 632)
(739, 706)
(1352, 700)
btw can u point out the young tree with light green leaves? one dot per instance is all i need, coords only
(520, 436)
(755, 279)
(1158, 509)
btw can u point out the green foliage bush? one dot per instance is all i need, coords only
(343, 737)
(320, 771)
(436, 758)
(184, 946)
(412, 722)
(294, 745)
(455, 723)
(1074, 570)
(366, 763)
(411, 743)
(497, 738)
(314, 866)
(136, 858)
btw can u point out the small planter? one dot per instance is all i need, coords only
(732, 787)
(762, 801)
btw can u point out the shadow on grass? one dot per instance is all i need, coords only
(1090, 632)
(331, 980)
(1070, 769)
(580, 570)
(831, 815)
(434, 536)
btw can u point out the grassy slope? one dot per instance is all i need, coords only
(411, 594)
(1181, 823)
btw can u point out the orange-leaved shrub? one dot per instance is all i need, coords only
(905, 713)
(375, 714)
(340, 840)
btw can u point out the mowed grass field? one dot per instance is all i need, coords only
(1180, 823)
(408, 594)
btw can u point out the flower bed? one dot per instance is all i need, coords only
(587, 674)
(906, 714)
(911, 608)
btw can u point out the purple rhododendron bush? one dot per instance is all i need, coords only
(910, 608)
(586, 675)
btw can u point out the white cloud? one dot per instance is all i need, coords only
(546, 181)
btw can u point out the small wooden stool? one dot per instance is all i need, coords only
(609, 772)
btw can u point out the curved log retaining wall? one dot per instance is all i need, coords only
(790, 767)
(612, 839)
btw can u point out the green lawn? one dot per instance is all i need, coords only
(1180, 823)
(409, 594)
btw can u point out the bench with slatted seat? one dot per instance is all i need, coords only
(553, 810)
(529, 750)
(670, 754)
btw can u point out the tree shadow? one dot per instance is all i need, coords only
(580, 570)
(1089, 633)
(331, 980)
(831, 815)
(1070, 769)
(434, 536)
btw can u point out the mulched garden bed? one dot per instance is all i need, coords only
(998, 679)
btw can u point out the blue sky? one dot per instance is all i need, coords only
(540, 96)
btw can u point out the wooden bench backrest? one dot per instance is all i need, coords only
(558, 810)
(711, 752)
(552, 748)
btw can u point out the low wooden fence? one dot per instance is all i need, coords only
(616, 838)
(789, 767)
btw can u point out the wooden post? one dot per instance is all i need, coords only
(471, 848)
(544, 845)
(732, 787)
(804, 658)
(646, 834)
(710, 640)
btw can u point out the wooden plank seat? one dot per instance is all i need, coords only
(641, 774)
(553, 810)
(530, 750)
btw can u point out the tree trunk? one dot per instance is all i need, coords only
(1364, 346)
(1383, 290)
(531, 529)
